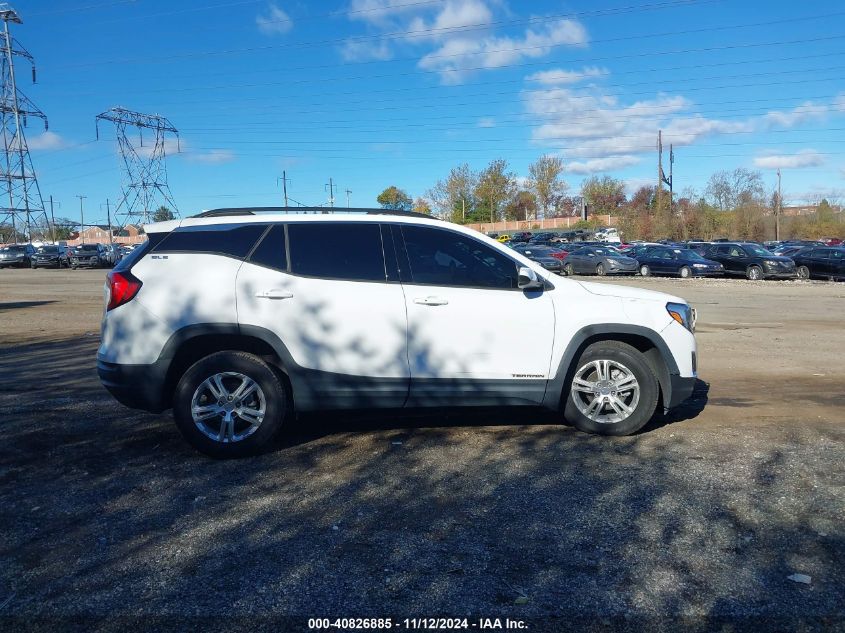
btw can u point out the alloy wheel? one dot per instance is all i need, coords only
(605, 391)
(228, 407)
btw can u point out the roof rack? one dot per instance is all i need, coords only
(216, 213)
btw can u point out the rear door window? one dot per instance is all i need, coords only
(351, 251)
(217, 239)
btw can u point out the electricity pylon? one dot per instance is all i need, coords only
(144, 172)
(17, 176)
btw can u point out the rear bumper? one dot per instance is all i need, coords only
(135, 386)
(680, 389)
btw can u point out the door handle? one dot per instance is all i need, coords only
(274, 294)
(431, 301)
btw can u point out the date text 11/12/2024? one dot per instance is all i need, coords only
(481, 624)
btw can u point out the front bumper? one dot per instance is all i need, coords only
(85, 263)
(18, 261)
(135, 386)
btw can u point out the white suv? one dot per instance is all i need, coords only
(238, 318)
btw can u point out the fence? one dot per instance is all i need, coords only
(534, 225)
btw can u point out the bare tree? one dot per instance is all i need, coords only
(545, 179)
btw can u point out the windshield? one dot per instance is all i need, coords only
(690, 255)
(48, 249)
(87, 247)
(754, 249)
(14, 249)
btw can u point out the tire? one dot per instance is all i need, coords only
(803, 272)
(568, 270)
(754, 273)
(242, 438)
(685, 272)
(600, 271)
(623, 361)
(645, 271)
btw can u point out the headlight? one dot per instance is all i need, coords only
(770, 263)
(683, 314)
(699, 265)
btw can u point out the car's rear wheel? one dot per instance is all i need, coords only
(803, 272)
(686, 272)
(229, 404)
(645, 271)
(568, 270)
(613, 390)
(754, 273)
(600, 270)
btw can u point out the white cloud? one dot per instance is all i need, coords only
(842, 171)
(839, 102)
(274, 22)
(380, 12)
(807, 111)
(459, 53)
(354, 50)
(608, 163)
(46, 140)
(212, 157)
(804, 158)
(559, 76)
(454, 15)
(486, 121)
(633, 184)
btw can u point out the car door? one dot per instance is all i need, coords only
(322, 289)
(585, 263)
(837, 262)
(473, 336)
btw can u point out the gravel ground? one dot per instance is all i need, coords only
(110, 520)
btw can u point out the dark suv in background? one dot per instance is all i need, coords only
(51, 256)
(751, 261)
(16, 255)
(88, 255)
(821, 261)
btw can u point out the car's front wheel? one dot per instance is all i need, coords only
(645, 271)
(754, 273)
(685, 272)
(600, 270)
(568, 270)
(229, 404)
(803, 272)
(613, 390)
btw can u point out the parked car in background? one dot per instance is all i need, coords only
(751, 261)
(788, 250)
(51, 256)
(503, 238)
(112, 253)
(594, 260)
(684, 262)
(831, 241)
(824, 262)
(539, 250)
(521, 236)
(543, 255)
(608, 235)
(18, 255)
(88, 256)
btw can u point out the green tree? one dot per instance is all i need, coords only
(454, 197)
(394, 198)
(495, 186)
(545, 180)
(523, 206)
(421, 206)
(162, 214)
(604, 194)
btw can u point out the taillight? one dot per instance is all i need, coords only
(123, 286)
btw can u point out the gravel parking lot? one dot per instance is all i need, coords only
(110, 519)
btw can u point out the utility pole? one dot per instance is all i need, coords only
(778, 210)
(348, 191)
(108, 217)
(284, 180)
(330, 186)
(52, 220)
(659, 169)
(463, 210)
(81, 219)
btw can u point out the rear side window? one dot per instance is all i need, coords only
(337, 251)
(132, 257)
(271, 251)
(220, 239)
(446, 258)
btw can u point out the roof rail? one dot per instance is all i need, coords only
(216, 213)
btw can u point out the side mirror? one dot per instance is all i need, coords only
(527, 279)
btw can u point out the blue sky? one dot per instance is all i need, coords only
(381, 92)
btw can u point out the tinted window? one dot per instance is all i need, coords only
(838, 255)
(219, 239)
(271, 252)
(337, 251)
(446, 258)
